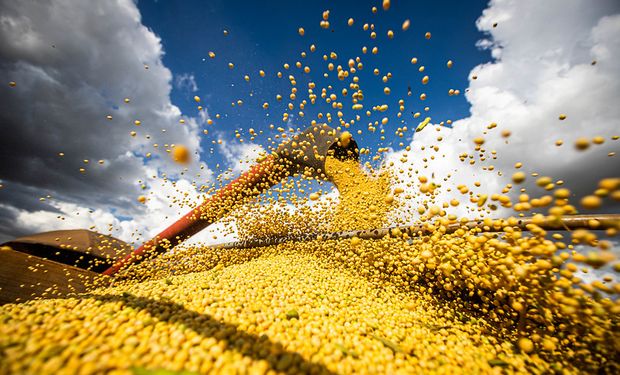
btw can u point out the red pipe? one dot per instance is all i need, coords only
(259, 178)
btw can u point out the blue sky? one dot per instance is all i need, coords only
(265, 36)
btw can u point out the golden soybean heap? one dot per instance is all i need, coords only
(466, 302)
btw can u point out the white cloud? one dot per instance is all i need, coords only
(543, 67)
(166, 202)
(186, 82)
(241, 156)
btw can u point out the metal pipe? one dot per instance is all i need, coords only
(605, 221)
(304, 152)
(250, 184)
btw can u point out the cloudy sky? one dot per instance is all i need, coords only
(75, 62)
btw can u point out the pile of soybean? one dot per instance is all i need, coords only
(468, 302)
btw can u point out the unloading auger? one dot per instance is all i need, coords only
(303, 153)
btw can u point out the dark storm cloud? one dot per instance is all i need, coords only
(73, 63)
